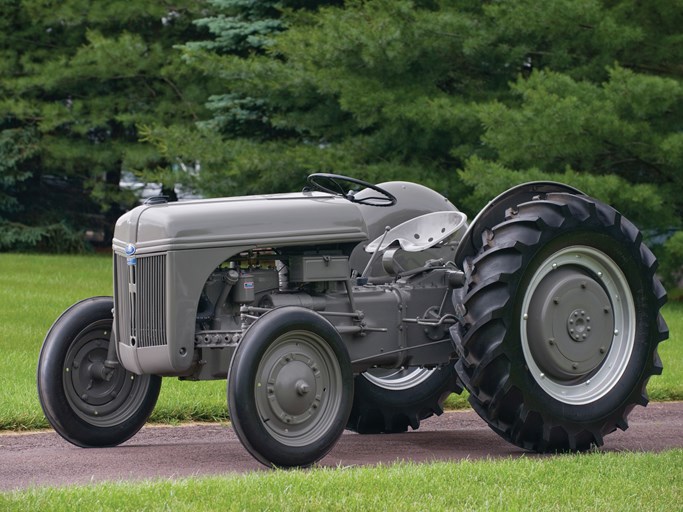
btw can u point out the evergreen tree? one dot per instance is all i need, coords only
(602, 97)
(468, 97)
(78, 78)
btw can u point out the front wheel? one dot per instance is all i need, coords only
(87, 403)
(290, 387)
(562, 325)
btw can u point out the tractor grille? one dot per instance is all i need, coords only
(140, 295)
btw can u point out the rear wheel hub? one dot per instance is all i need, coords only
(570, 324)
(577, 329)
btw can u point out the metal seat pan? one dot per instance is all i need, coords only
(421, 232)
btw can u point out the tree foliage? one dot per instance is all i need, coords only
(467, 97)
(77, 79)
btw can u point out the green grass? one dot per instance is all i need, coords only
(598, 481)
(35, 289)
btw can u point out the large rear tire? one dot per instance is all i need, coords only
(562, 324)
(88, 404)
(390, 401)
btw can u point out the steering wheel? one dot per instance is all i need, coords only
(332, 184)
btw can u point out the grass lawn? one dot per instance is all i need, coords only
(589, 482)
(35, 289)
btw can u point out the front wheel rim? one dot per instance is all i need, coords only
(577, 325)
(298, 388)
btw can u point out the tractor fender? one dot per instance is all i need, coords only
(494, 213)
(413, 200)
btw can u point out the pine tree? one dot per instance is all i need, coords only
(78, 79)
(467, 97)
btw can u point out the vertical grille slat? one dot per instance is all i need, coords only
(140, 296)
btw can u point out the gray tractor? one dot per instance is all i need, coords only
(364, 309)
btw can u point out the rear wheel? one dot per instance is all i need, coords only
(290, 387)
(86, 402)
(391, 400)
(562, 325)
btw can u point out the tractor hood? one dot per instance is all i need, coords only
(308, 218)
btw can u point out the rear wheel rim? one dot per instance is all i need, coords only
(398, 379)
(575, 345)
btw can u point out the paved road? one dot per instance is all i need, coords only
(207, 449)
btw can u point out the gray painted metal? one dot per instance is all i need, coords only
(256, 221)
(302, 398)
(413, 200)
(193, 238)
(578, 370)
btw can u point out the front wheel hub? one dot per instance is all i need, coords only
(294, 388)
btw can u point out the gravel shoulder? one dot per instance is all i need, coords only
(45, 459)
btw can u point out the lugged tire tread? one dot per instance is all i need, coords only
(496, 265)
(373, 413)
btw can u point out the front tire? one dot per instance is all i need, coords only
(85, 403)
(562, 324)
(290, 387)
